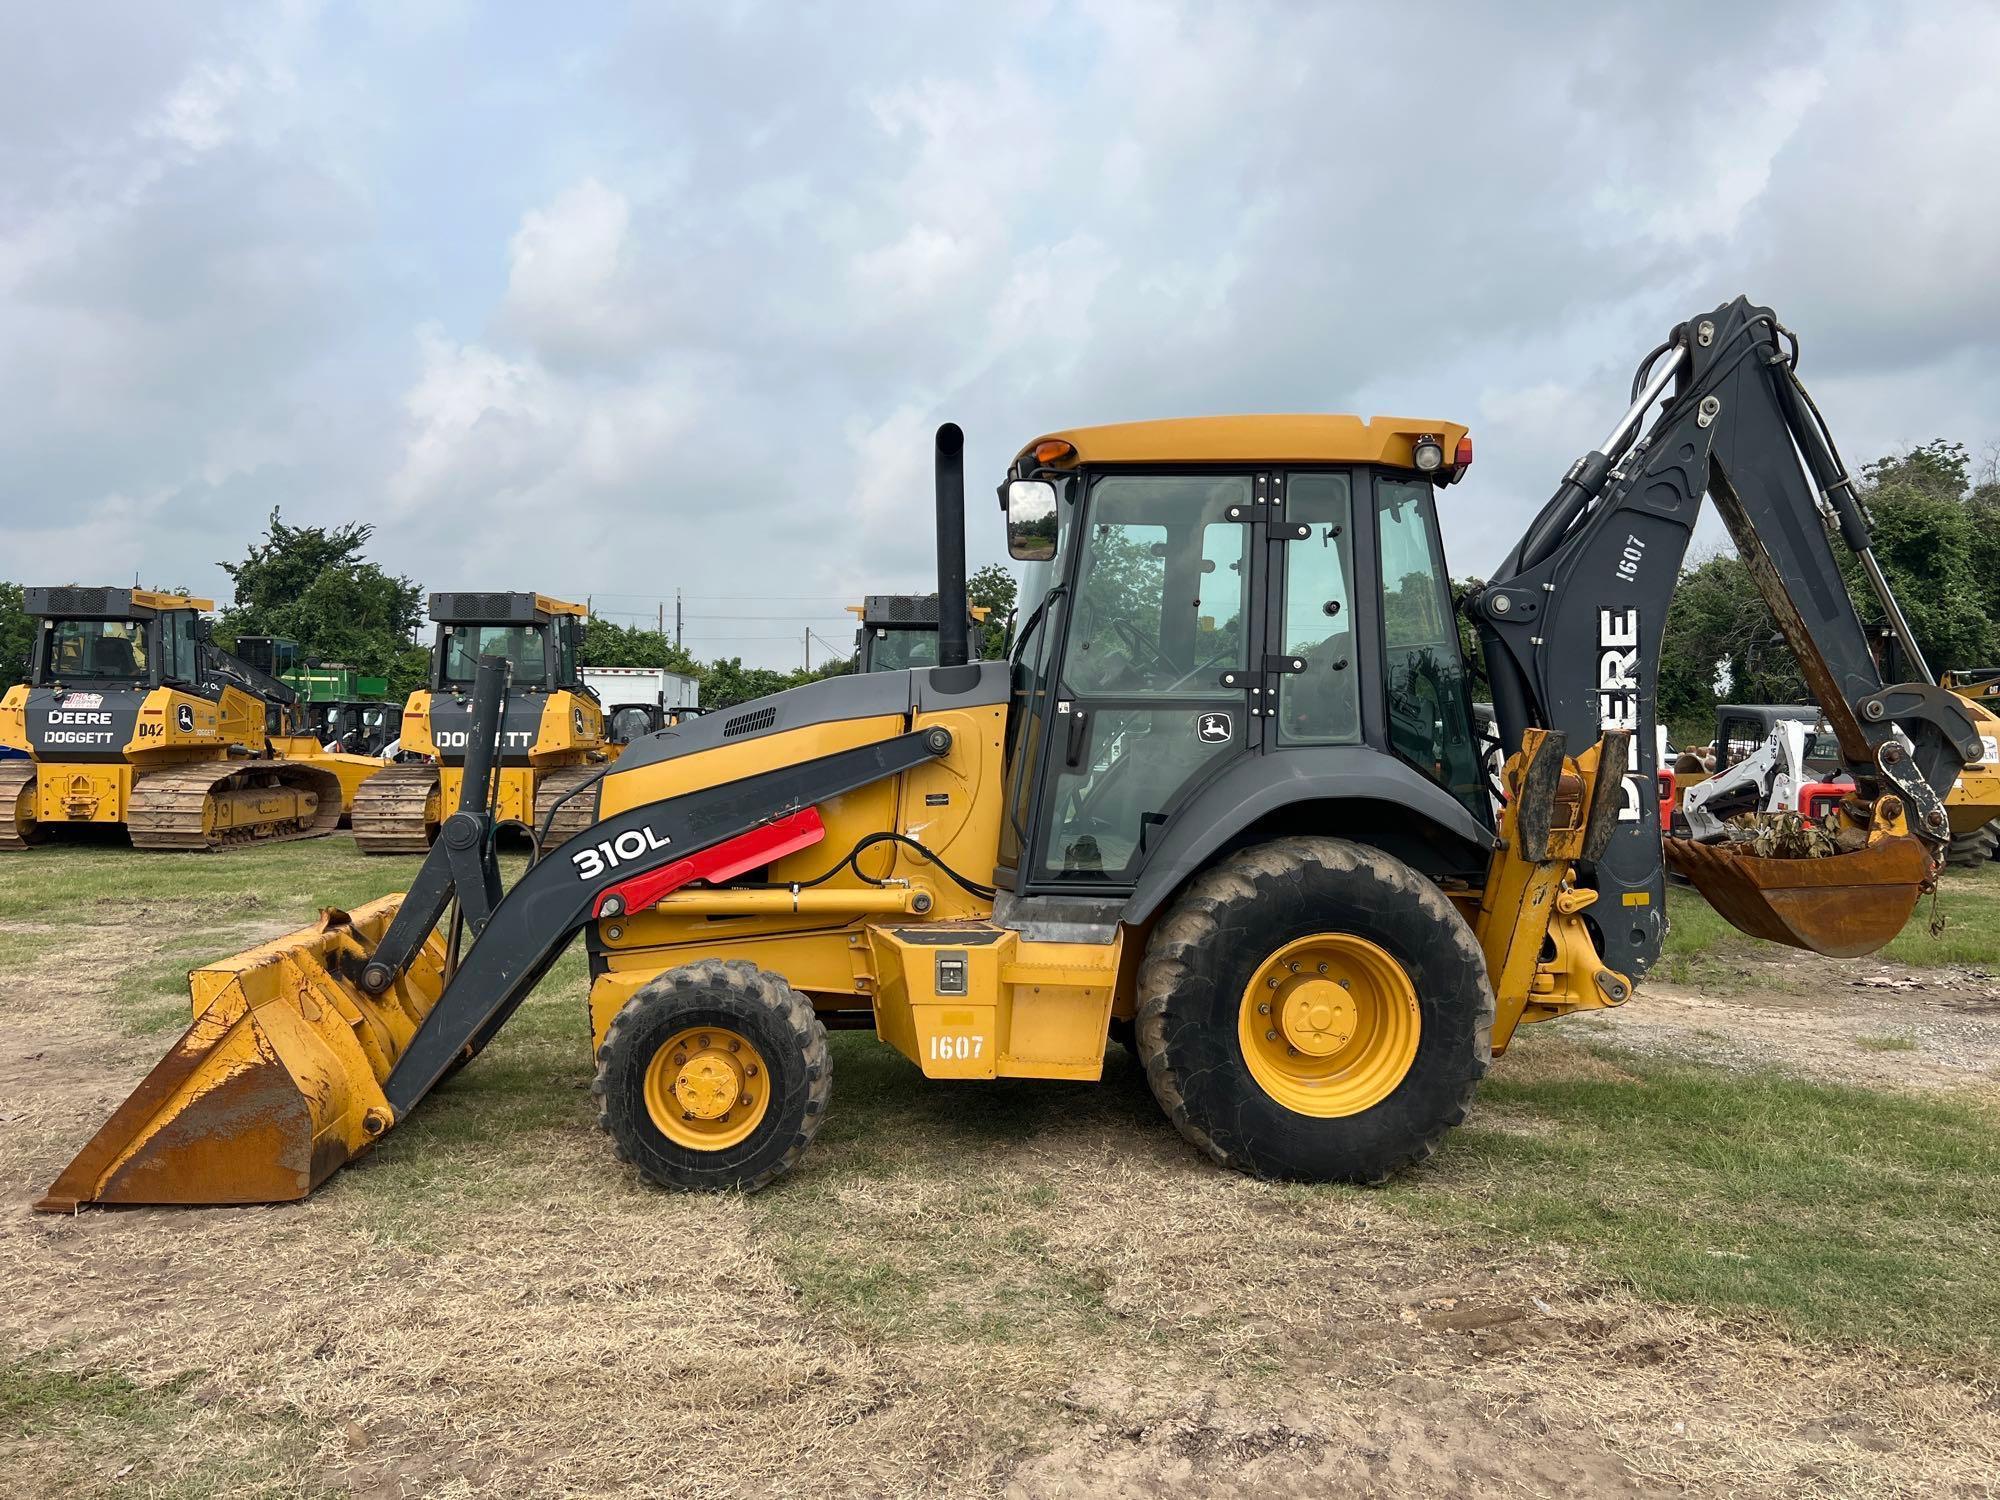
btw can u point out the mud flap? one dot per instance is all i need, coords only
(1840, 905)
(275, 1085)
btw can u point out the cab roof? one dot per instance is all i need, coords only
(461, 608)
(106, 604)
(1303, 438)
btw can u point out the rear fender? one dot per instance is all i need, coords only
(1347, 791)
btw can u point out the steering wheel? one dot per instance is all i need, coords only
(1138, 645)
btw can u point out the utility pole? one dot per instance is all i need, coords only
(677, 619)
(809, 648)
(660, 616)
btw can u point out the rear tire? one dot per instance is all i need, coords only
(1240, 919)
(1973, 849)
(677, 1033)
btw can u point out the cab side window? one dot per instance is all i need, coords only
(178, 663)
(1430, 710)
(1321, 705)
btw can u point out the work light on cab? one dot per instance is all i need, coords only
(1428, 454)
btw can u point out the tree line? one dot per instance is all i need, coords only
(314, 585)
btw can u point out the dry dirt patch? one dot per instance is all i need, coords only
(1875, 1024)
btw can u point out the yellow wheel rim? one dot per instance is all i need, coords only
(1329, 1025)
(707, 1088)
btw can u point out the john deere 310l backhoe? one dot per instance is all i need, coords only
(551, 741)
(1226, 794)
(134, 718)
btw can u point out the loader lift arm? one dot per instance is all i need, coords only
(1573, 620)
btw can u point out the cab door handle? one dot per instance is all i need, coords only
(1073, 748)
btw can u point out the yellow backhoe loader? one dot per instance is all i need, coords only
(1226, 800)
(551, 745)
(133, 718)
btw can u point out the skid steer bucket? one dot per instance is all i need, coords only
(1841, 905)
(275, 1085)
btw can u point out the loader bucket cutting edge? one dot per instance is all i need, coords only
(275, 1085)
(1841, 905)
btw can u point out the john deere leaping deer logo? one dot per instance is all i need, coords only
(184, 716)
(1213, 729)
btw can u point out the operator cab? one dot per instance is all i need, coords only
(1216, 608)
(124, 638)
(1744, 728)
(538, 636)
(900, 631)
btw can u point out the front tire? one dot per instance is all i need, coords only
(1314, 1009)
(713, 1076)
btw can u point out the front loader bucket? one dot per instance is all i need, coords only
(276, 1084)
(1841, 905)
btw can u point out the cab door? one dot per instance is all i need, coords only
(1154, 690)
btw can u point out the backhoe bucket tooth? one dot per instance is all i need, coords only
(275, 1085)
(1841, 905)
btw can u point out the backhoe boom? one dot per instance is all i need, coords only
(1573, 621)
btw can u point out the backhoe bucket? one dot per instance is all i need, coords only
(276, 1085)
(1841, 905)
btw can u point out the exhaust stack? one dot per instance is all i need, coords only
(954, 646)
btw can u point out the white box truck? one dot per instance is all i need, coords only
(638, 700)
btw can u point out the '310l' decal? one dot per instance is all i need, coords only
(611, 853)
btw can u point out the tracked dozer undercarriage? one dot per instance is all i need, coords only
(1226, 801)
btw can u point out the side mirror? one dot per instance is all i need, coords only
(1031, 520)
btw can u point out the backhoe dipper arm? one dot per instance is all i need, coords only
(1573, 621)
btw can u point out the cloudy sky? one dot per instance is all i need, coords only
(614, 300)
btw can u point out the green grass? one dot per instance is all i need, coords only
(1704, 951)
(37, 1400)
(103, 1433)
(102, 883)
(1887, 1042)
(1845, 1214)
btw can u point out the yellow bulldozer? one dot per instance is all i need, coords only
(1974, 804)
(132, 717)
(1225, 802)
(552, 742)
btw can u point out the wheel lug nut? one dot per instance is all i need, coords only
(1270, 1036)
(1345, 985)
(1272, 981)
(1291, 1051)
(1322, 968)
(735, 1046)
(750, 1070)
(1263, 1007)
(687, 1114)
(701, 1041)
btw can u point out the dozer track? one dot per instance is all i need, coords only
(396, 811)
(575, 815)
(16, 778)
(217, 805)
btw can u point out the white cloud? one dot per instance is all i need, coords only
(572, 289)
